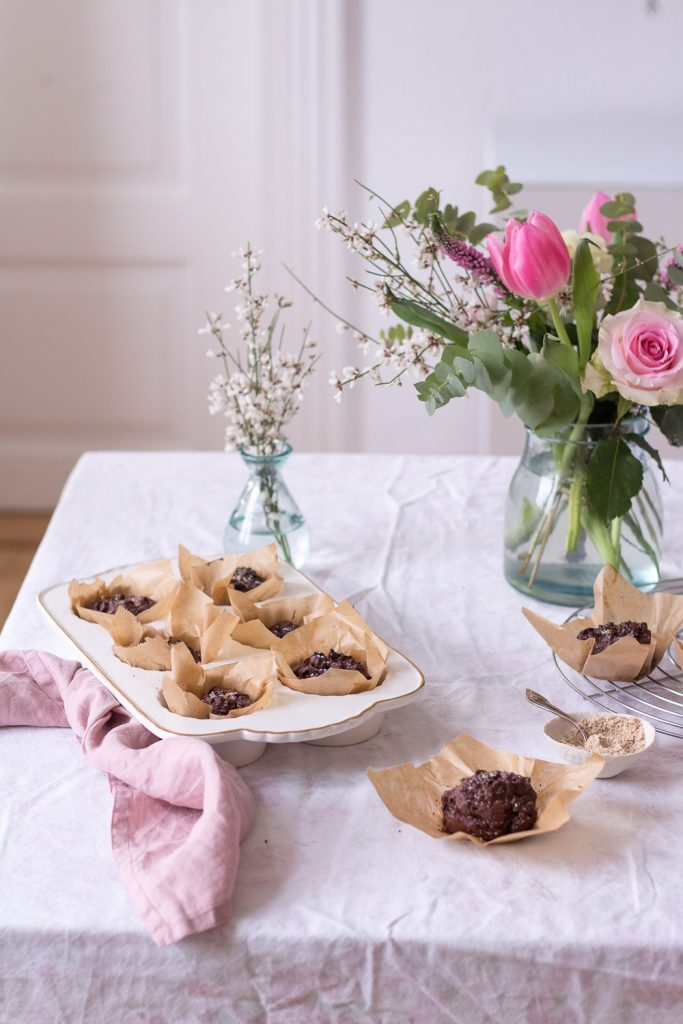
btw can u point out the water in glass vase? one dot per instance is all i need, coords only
(266, 510)
(554, 544)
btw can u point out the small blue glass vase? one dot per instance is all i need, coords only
(266, 510)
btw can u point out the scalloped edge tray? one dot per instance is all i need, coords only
(291, 717)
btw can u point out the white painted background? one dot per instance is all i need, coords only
(141, 141)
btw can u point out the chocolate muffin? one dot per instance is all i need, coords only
(132, 603)
(283, 628)
(318, 663)
(244, 579)
(490, 804)
(606, 634)
(222, 700)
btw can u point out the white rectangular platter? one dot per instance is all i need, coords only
(291, 717)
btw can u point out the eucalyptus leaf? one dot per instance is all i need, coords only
(675, 274)
(613, 479)
(655, 293)
(479, 233)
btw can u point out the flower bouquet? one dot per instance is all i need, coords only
(578, 333)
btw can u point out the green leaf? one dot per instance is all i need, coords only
(647, 259)
(630, 226)
(640, 441)
(624, 294)
(614, 478)
(585, 286)
(466, 222)
(647, 548)
(413, 313)
(397, 215)
(655, 293)
(669, 419)
(479, 233)
(565, 360)
(675, 274)
(425, 205)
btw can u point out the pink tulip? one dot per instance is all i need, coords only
(595, 222)
(533, 261)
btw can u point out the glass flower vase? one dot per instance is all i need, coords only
(555, 545)
(266, 510)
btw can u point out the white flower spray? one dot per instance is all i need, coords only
(261, 386)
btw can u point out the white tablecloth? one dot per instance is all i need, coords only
(341, 913)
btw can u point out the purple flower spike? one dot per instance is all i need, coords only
(470, 259)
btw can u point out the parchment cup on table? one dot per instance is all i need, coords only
(143, 646)
(185, 685)
(331, 631)
(616, 600)
(256, 619)
(213, 577)
(413, 793)
(153, 579)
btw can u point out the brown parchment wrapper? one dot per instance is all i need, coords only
(217, 643)
(142, 646)
(213, 578)
(154, 579)
(187, 683)
(413, 794)
(254, 629)
(616, 600)
(186, 613)
(321, 634)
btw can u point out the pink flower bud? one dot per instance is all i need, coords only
(533, 261)
(594, 221)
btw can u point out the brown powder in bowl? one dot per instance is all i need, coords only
(609, 735)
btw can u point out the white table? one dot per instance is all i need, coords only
(342, 914)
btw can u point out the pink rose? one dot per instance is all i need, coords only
(640, 355)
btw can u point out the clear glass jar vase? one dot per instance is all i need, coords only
(555, 545)
(266, 510)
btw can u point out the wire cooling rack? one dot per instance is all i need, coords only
(657, 697)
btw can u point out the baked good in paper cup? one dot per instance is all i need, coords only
(145, 592)
(643, 626)
(143, 646)
(252, 572)
(264, 626)
(225, 691)
(331, 656)
(415, 794)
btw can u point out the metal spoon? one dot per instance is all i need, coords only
(542, 702)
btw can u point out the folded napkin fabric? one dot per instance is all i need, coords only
(175, 801)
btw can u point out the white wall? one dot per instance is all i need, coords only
(144, 140)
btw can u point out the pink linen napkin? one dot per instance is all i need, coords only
(176, 803)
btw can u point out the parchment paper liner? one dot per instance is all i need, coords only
(154, 579)
(616, 600)
(143, 646)
(413, 794)
(213, 577)
(253, 629)
(186, 683)
(343, 635)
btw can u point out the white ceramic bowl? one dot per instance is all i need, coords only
(556, 729)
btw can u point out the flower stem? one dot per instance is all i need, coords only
(557, 321)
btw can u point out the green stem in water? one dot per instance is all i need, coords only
(601, 538)
(557, 321)
(575, 502)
